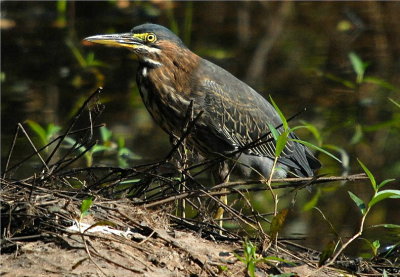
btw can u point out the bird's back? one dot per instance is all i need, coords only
(236, 115)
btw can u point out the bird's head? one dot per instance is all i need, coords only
(150, 42)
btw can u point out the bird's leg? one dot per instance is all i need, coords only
(221, 174)
(184, 160)
(181, 162)
(183, 157)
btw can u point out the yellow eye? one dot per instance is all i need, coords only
(151, 38)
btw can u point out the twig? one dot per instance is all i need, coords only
(33, 145)
(115, 263)
(75, 119)
(344, 246)
(291, 181)
(89, 255)
(77, 157)
(11, 150)
(193, 193)
(43, 147)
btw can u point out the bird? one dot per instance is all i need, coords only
(171, 77)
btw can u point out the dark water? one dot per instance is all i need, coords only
(297, 52)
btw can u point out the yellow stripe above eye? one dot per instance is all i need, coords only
(147, 37)
(141, 36)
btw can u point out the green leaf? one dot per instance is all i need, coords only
(360, 204)
(222, 268)
(39, 130)
(52, 130)
(358, 135)
(312, 128)
(370, 175)
(131, 181)
(121, 142)
(380, 82)
(99, 148)
(359, 66)
(86, 204)
(344, 25)
(383, 183)
(394, 102)
(384, 194)
(375, 246)
(281, 143)
(273, 131)
(277, 223)
(61, 6)
(2, 76)
(388, 226)
(251, 268)
(69, 140)
(317, 148)
(277, 259)
(77, 54)
(249, 249)
(240, 258)
(342, 81)
(126, 152)
(91, 60)
(282, 117)
(105, 134)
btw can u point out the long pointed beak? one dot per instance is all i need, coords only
(125, 40)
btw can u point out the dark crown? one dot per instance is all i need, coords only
(161, 32)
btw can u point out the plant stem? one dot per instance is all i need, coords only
(274, 196)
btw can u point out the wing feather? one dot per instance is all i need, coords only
(238, 116)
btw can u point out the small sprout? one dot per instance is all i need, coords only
(85, 206)
(222, 268)
(251, 258)
(359, 66)
(375, 245)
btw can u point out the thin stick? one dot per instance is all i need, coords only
(47, 145)
(33, 146)
(11, 150)
(75, 119)
(274, 196)
(193, 193)
(360, 176)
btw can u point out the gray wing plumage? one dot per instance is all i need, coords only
(239, 115)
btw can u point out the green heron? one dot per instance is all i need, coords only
(170, 77)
